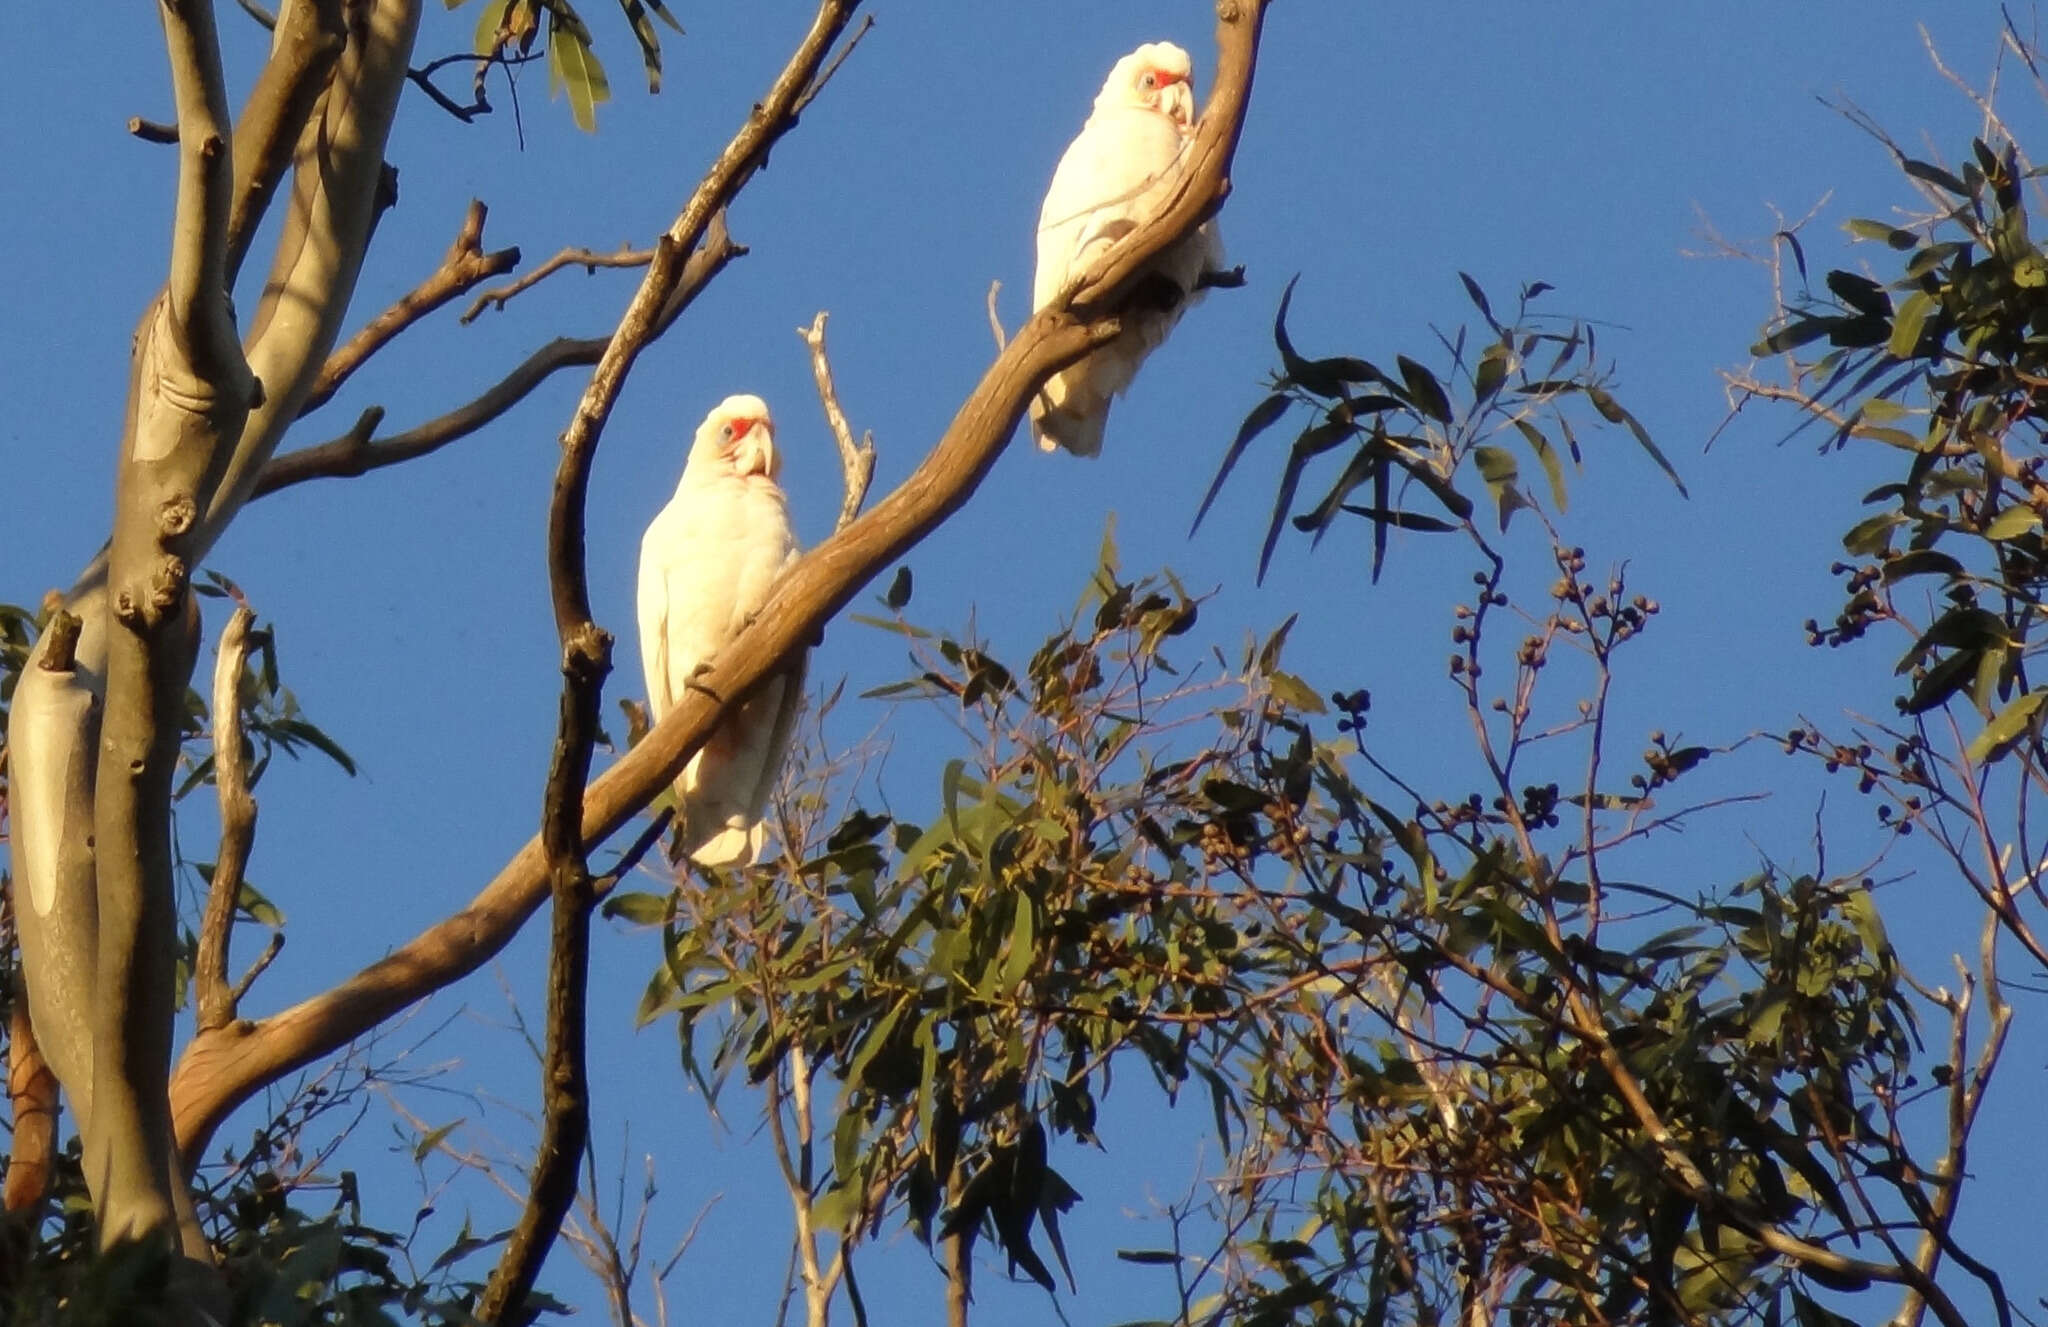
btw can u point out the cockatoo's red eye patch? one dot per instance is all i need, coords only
(739, 428)
(1167, 78)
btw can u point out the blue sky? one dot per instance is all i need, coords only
(1388, 148)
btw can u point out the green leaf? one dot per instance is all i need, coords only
(898, 593)
(2012, 523)
(1017, 961)
(431, 1139)
(2010, 723)
(649, 39)
(1425, 390)
(1498, 468)
(1553, 465)
(1262, 417)
(1906, 328)
(1901, 240)
(1934, 175)
(1312, 443)
(1944, 680)
(1611, 410)
(1478, 298)
(574, 67)
(1294, 693)
(1873, 534)
(641, 909)
(1491, 373)
(306, 732)
(488, 20)
(1795, 334)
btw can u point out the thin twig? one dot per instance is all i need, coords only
(810, 94)
(587, 259)
(271, 949)
(857, 460)
(152, 131)
(462, 268)
(995, 323)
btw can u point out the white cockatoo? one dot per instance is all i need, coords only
(706, 565)
(1118, 173)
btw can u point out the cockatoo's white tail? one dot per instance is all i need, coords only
(1116, 175)
(706, 565)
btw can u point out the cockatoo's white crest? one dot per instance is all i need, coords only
(1116, 175)
(706, 566)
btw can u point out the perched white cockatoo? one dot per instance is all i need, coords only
(706, 564)
(1118, 173)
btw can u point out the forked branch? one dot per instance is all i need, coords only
(354, 452)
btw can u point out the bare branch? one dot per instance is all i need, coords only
(587, 259)
(220, 1070)
(237, 825)
(858, 461)
(303, 56)
(462, 268)
(152, 131)
(586, 660)
(353, 453)
(198, 286)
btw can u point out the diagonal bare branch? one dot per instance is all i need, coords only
(221, 1070)
(462, 268)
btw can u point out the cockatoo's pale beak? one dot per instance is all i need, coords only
(1177, 100)
(754, 450)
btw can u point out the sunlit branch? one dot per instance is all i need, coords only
(237, 826)
(857, 460)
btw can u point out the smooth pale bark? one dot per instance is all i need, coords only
(94, 745)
